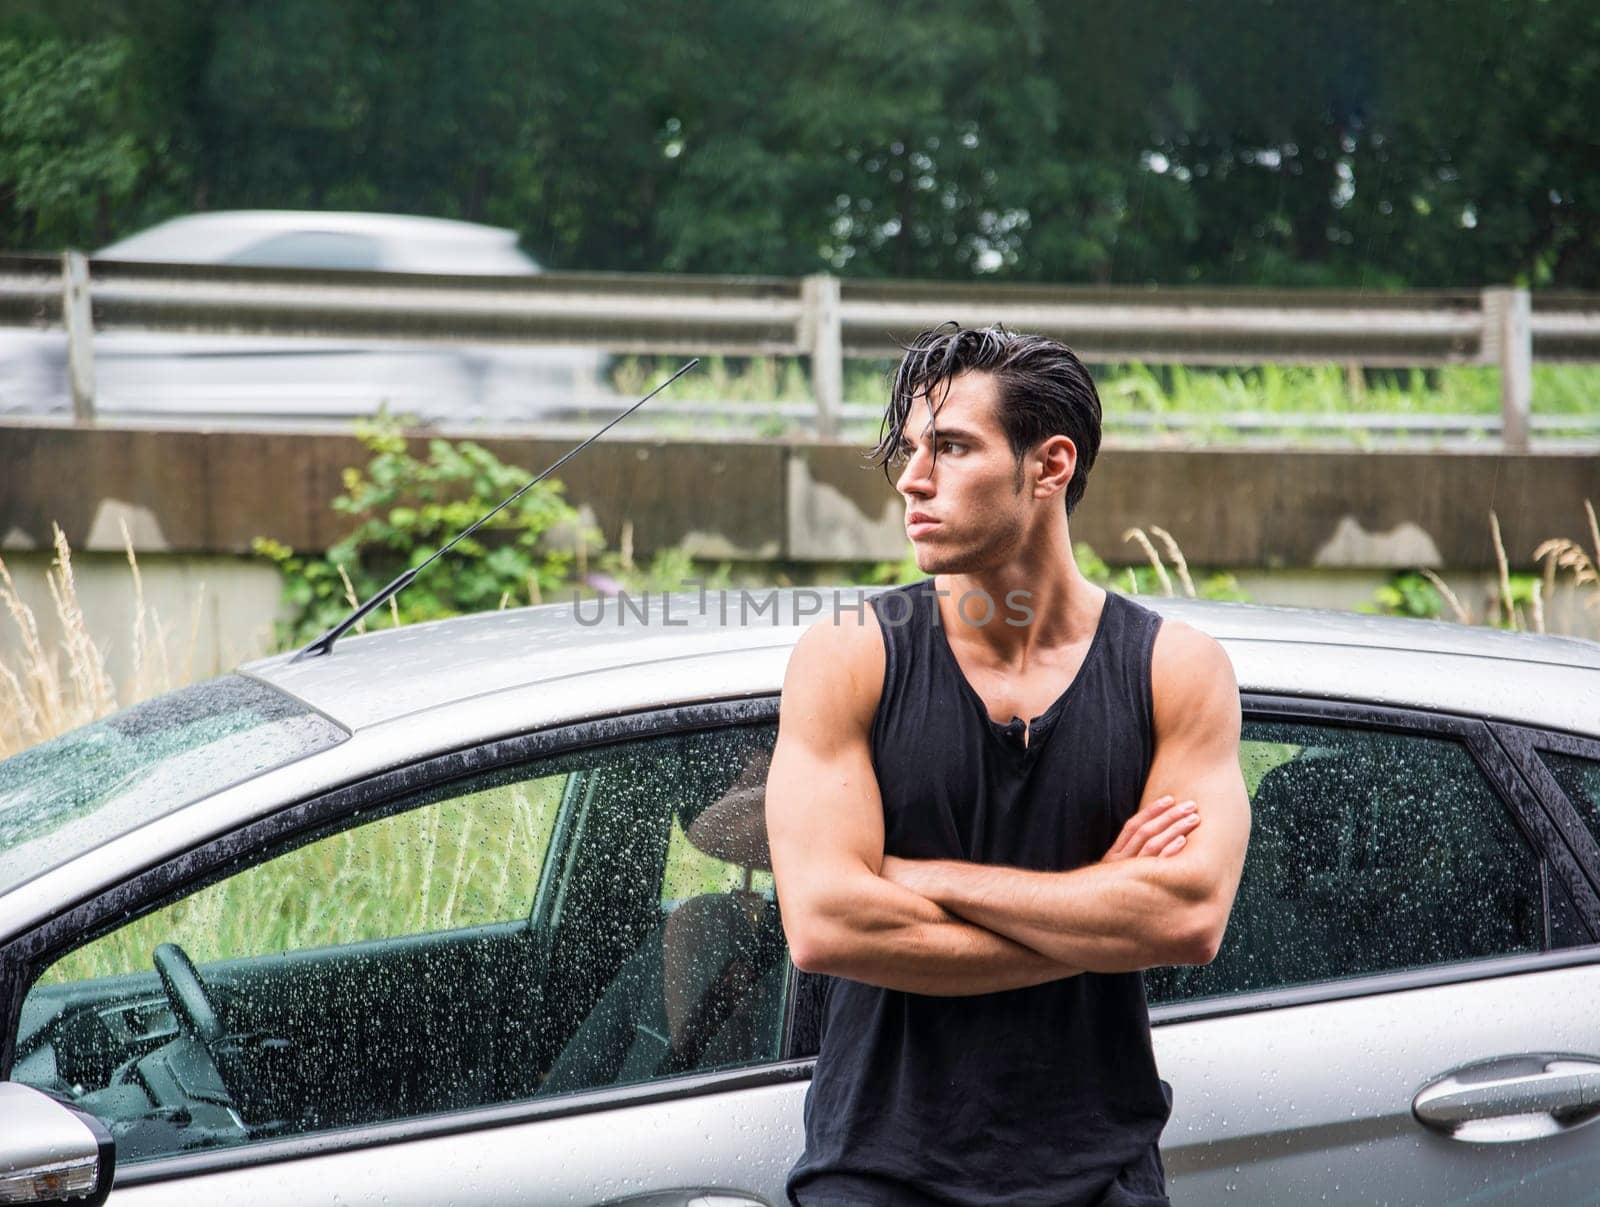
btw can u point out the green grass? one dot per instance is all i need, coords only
(1134, 390)
(1328, 390)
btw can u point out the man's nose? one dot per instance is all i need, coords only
(917, 477)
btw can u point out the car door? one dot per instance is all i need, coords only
(1395, 1015)
(547, 970)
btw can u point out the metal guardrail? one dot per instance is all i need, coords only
(821, 318)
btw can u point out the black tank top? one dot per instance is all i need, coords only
(1046, 1095)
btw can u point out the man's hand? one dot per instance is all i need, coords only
(1160, 829)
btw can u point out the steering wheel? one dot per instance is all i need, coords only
(186, 992)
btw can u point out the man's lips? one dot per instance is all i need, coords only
(920, 522)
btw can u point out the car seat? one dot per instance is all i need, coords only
(705, 986)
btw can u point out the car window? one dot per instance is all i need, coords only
(472, 257)
(1370, 851)
(463, 862)
(310, 249)
(105, 779)
(601, 919)
(1580, 780)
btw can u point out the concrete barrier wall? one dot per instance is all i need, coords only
(1299, 527)
(212, 492)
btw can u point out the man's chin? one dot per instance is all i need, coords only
(943, 561)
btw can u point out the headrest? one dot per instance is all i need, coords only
(733, 827)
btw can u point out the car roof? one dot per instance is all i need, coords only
(370, 680)
(211, 236)
(228, 223)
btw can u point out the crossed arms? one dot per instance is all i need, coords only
(1161, 895)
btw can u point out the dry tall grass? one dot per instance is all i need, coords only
(1559, 555)
(1563, 554)
(51, 690)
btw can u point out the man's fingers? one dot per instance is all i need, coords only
(1128, 838)
(1130, 827)
(1178, 830)
(1154, 823)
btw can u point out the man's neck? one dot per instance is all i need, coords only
(1064, 605)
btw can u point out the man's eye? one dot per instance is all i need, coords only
(951, 446)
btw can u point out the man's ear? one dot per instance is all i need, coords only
(1055, 460)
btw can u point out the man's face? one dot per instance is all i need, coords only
(966, 510)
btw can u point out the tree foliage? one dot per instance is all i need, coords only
(1368, 143)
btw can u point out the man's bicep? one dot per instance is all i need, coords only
(1197, 749)
(824, 812)
(822, 809)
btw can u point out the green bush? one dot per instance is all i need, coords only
(404, 507)
(1407, 594)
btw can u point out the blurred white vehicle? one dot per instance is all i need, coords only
(207, 377)
(309, 239)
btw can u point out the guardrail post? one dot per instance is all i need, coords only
(822, 337)
(1508, 330)
(77, 315)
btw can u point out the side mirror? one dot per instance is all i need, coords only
(51, 1152)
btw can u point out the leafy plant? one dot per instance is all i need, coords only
(404, 508)
(1408, 593)
(892, 574)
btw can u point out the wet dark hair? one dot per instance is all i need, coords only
(1044, 391)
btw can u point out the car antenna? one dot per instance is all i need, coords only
(324, 644)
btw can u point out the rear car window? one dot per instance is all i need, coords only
(1371, 851)
(1580, 780)
(311, 249)
(96, 783)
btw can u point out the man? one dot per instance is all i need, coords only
(984, 812)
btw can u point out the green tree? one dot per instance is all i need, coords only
(1367, 143)
(68, 164)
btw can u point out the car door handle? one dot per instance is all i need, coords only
(1511, 1098)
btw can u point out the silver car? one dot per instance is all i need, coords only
(480, 912)
(165, 376)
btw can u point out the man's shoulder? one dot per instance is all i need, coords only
(845, 641)
(1190, 674)
(838, 665)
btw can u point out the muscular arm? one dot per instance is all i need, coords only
(825, 827)
(1137, 913)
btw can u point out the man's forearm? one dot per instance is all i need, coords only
(884, 935)
(1105, 917)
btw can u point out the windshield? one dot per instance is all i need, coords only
(105, 779)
